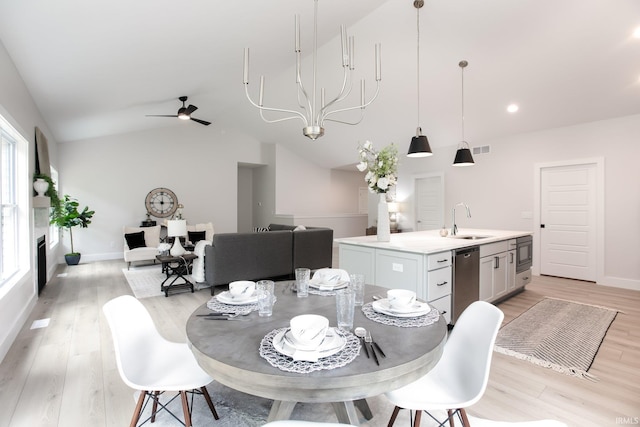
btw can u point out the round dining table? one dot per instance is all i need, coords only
(229, 351)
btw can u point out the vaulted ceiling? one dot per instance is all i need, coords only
(97, 68)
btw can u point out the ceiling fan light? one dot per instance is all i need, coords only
(463, 157)
(419, 146)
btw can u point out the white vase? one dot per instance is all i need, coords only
(384, 231)
(41, 186)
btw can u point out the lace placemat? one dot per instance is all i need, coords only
(404, 322)
(286, 363)
(215, 305)
(327, 293)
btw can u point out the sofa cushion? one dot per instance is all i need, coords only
(135, 240)
(196, 236)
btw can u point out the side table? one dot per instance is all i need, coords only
(176, 267)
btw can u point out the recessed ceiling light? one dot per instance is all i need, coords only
(512, 108)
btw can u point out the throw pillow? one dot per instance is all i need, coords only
(262, 229)
(135, 240)
(300, 227)
(196, 236)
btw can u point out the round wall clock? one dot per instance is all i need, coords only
(161, 202)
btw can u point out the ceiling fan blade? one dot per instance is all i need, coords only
(161, 115)
(190, 109)
(202, 122)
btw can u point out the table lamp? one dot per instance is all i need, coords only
(176, 229)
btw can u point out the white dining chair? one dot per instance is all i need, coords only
(460, 377)
(151, 364)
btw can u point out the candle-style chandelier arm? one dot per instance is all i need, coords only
(296, 114)
(362, 106)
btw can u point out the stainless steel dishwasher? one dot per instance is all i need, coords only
(466, 279)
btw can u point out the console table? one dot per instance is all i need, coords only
(176, 267)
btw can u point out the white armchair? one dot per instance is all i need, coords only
(151, 240)
(197, 273)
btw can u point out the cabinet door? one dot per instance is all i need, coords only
(358, 259)
(486, 278)
(511, 270)
(400, 270)
(500, 275)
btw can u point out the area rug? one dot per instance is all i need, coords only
(562, 335)
(145, 281)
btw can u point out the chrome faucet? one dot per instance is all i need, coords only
(454, 227)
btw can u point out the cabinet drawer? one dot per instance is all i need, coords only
(523, 278)
(443, 305)
(438, 283)
(439, 260)
(494, 248)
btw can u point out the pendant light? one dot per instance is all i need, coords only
(463, 155)
(419, 144)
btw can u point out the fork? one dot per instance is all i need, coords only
(368, 339)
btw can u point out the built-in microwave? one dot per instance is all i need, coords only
(524, 253)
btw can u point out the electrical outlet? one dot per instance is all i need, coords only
(397, 267)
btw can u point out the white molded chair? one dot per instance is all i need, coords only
(460, 377)
(149, 363)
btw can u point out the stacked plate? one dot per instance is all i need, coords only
(226, 298)
(286, 344)
(329, 279)
(414, 310)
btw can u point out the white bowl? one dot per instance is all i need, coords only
(308, 330)
(244, 288)
(400, 298)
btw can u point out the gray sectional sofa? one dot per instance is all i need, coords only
(273, 254)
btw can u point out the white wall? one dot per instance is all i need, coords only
(16, 105)
(500, 187)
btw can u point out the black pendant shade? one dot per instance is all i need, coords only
(463, 157)
(419, 146)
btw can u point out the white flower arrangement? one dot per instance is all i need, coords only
(163, 247)
(381, 166)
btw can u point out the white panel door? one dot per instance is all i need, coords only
(568, 221)
(429, 203)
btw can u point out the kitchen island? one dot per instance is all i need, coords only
(422, 261)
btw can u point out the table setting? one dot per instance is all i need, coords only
(241, 298)
(401, 308)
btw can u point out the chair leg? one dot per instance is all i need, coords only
(138, 410)
(452, 422)
(205, 393)
(416, 423)
(154, 409)
(394, 415)
(465, 420)
(185, 408)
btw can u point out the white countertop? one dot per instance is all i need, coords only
(427, 242)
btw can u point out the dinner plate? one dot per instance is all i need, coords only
(332, 344)
(317, 284)
(415, 310)
(226, 298)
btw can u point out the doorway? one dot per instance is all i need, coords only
(569, 206)
(429, 197)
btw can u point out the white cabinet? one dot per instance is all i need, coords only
(358, 259)
(399, 270)
(497, 270)
(439, 282)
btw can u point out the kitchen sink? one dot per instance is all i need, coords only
(469, 237)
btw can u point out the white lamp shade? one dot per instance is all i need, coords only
(176, 228)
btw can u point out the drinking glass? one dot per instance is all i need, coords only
(356, 283)
(265, 303)
(269, 285)
(302, 282)
(345, 308)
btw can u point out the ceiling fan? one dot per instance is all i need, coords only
(184, 113)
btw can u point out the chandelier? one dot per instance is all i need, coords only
(314, 114)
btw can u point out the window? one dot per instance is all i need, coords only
(14, 231)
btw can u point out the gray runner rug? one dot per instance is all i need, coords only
(562, 335)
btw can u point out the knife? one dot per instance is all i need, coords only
(214, 314)
(225, 318)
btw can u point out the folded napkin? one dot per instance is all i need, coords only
(329, 278)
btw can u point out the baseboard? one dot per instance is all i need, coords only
(619, 282)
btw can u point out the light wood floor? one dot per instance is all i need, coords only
(65, 374)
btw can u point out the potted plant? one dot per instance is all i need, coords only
(68, 217)
(51, 192)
